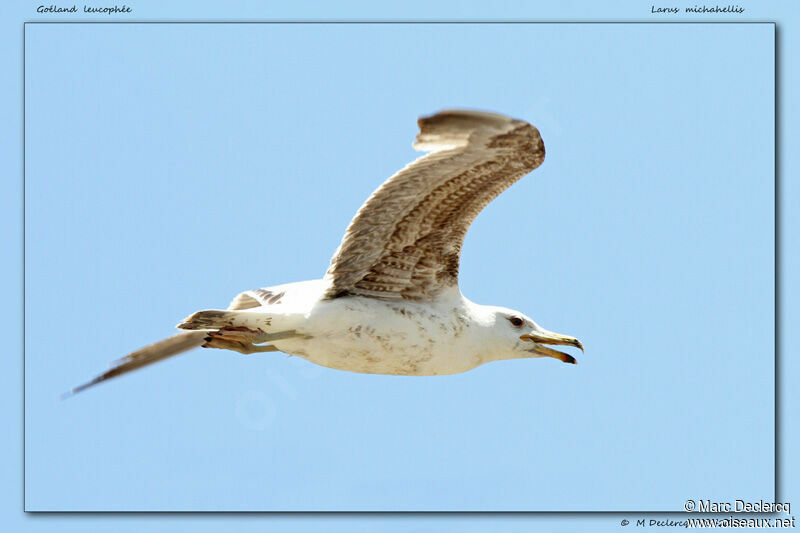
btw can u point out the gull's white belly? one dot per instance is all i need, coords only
(376, 337)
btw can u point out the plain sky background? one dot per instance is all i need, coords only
(243, 401)
(169, 167)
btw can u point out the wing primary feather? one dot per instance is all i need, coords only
(148, 355)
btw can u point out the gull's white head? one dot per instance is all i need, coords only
(513, 335)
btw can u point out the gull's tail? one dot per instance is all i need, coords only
(153, 353)
(215, 319)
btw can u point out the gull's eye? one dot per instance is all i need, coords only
(516, 321)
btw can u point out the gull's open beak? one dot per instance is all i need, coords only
(541, 338)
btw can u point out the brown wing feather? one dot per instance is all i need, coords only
(405, 241)
(148, 355)
(256, 298)
(179, 343)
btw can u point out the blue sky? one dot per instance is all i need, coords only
(187, 163)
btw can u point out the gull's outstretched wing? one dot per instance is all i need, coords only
(148, 355)
(405, 241)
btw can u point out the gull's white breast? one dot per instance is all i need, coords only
(388, 337)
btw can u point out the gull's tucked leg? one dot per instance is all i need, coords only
(244, 340)
(242, 347)
(236, 333)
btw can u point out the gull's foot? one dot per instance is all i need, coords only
(237, 338)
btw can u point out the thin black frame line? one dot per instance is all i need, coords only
(582, 514)
(777, 267)
(776, 272)
(24, 203)
(389, 22)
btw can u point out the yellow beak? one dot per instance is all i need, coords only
(548, 337)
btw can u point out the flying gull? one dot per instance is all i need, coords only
(390, 302)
